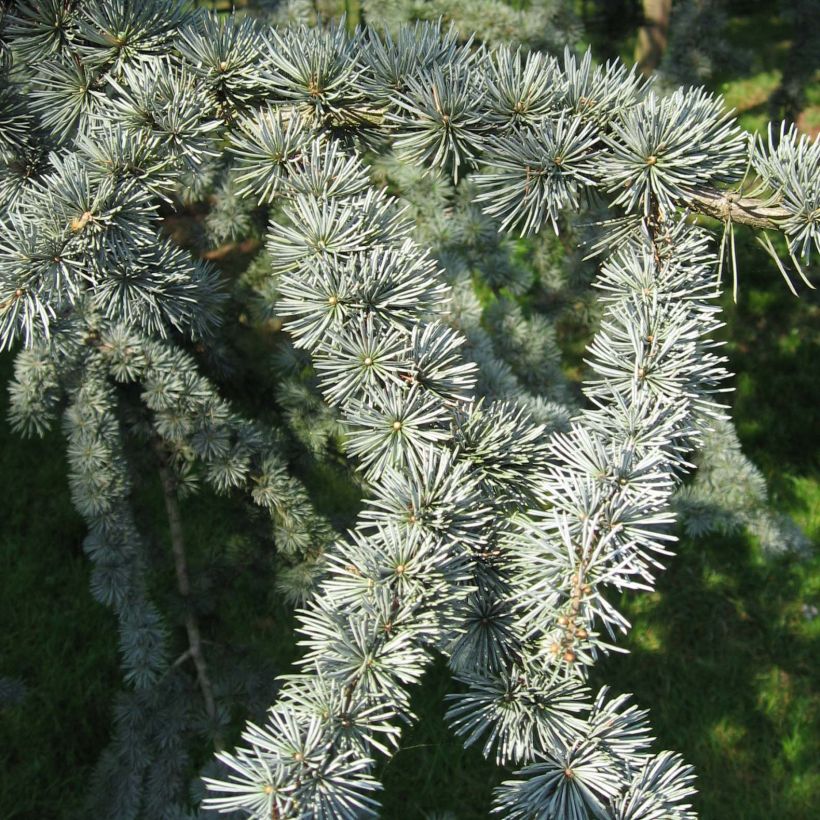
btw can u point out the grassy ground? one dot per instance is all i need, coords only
(54, 636)
(722, 653)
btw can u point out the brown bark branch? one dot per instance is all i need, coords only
(743, 210)
(184, 586)
(245, 246)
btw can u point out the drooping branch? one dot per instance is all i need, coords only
(184, 586)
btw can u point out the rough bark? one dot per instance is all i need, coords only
(725, 205)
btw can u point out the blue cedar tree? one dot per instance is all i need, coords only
(486, 536)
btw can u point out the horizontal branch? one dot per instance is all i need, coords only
(245, 246)
(744, 210)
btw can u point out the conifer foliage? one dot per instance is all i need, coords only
(494, 524)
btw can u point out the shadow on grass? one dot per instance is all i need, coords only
(773, 343)
(54, 636)
(433, 772)
(726, 661)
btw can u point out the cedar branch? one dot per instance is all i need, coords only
(742, 210)
(184, 587)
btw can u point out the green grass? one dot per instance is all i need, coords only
(54, 636)
(749, 98)
(433, 772)
(724, 658)
(721, 653)
(730, 683)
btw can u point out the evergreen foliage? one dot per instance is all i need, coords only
(499, 513)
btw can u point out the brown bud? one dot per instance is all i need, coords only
(78, 223)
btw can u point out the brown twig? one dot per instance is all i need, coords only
(743, 210)
(184, 586)
(246, 246)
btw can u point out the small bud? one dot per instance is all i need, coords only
(78, 223)
(569, 656)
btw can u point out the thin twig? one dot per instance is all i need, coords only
(184, 587)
